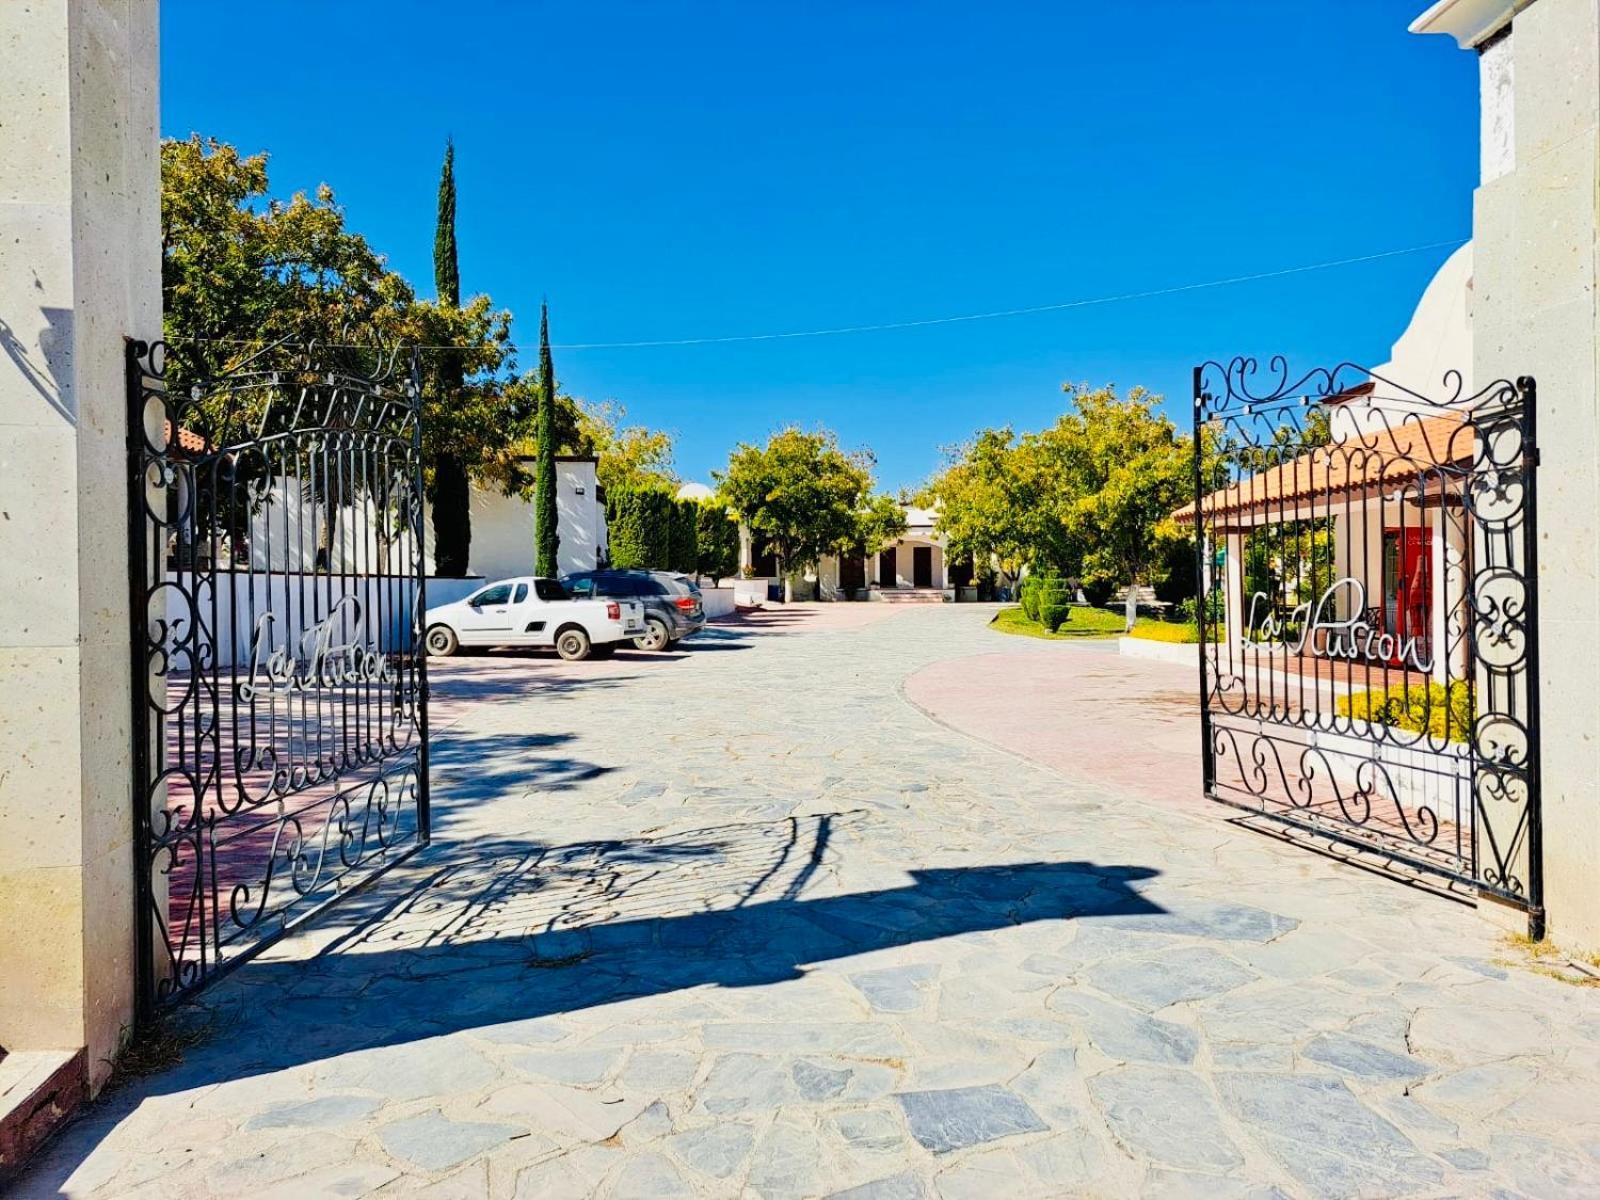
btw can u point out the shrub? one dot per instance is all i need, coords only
(1181, 632)
(1097, 590)
(1055, 602)
(1443, 713)
(1029, 596)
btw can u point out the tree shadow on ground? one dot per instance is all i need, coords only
(508, 931)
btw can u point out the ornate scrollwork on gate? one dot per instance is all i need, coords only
(1366, 556)
(277, 566)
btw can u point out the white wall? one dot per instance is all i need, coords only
(1536, 243)
(503, 532)
(230, 608)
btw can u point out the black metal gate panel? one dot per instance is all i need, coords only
(1368, 602)
(280, 688)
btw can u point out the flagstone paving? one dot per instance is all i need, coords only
(744, 921)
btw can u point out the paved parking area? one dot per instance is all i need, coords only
(746, 921)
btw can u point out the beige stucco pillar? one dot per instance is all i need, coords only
(1534, 312)
(79, 270)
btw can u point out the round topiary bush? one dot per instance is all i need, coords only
(1055, 603)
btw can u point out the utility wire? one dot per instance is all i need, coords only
(883, 327)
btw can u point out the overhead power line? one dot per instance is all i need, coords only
(926, 322)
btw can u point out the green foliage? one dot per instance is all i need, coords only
(1084, 623)
(800, 493)
(241, 270)
(717, 541)
(446, 266)
(1055, 602)
(683, 553)
(1090, 496)
(1029, 596)
(452, 500)
(880, 521)
(1181, 632)
(639, 527)
(1097, 589)
(631, 456)
(546, 536)
(1445, 713)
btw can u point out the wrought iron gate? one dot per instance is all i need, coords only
(1368, 601)
(280, 688)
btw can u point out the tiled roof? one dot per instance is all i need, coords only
(188, 440)
(1383, 458)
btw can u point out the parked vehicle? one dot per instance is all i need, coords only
(672, 607)
(534, 612)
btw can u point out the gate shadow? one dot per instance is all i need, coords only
(502, 932)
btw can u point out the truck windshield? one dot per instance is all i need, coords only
(550, 589)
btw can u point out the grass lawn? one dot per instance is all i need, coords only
(1088, 622)
(1084, 622)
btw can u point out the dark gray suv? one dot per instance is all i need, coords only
(672, 608)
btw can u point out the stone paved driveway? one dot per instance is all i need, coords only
(748, 923)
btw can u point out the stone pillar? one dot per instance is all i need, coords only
(79, 270)
(1536, 278)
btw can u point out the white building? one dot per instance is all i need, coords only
(913, 567)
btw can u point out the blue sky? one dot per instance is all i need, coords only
(668, 169)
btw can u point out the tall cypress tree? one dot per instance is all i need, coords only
(452, 519)
(545, 536)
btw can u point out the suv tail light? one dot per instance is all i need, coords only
(686, 603)
(613, 611)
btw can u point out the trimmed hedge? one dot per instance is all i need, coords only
(639, 527)
(1055, 602)
(683, 538)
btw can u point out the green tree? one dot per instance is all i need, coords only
(546, 536)
(879, 521)
(800, 494)
(716, 541)
(631, 456)
(243, 272)
(451, 494)
(1124, 471)
(990, 498)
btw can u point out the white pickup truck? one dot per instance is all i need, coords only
(533, 612)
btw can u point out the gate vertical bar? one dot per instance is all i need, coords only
(1204, 585)
(1528, 392)
(419, 616)
(138, 637)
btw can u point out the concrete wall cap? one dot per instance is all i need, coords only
(1470, 22)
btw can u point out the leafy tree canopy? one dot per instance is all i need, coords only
(880, 520)
(241, 270)
(1089, 496)
(800, 493)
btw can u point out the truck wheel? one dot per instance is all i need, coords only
(441, 641)
(659, 637)
(572, 644)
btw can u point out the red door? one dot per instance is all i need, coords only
(1408, 589)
